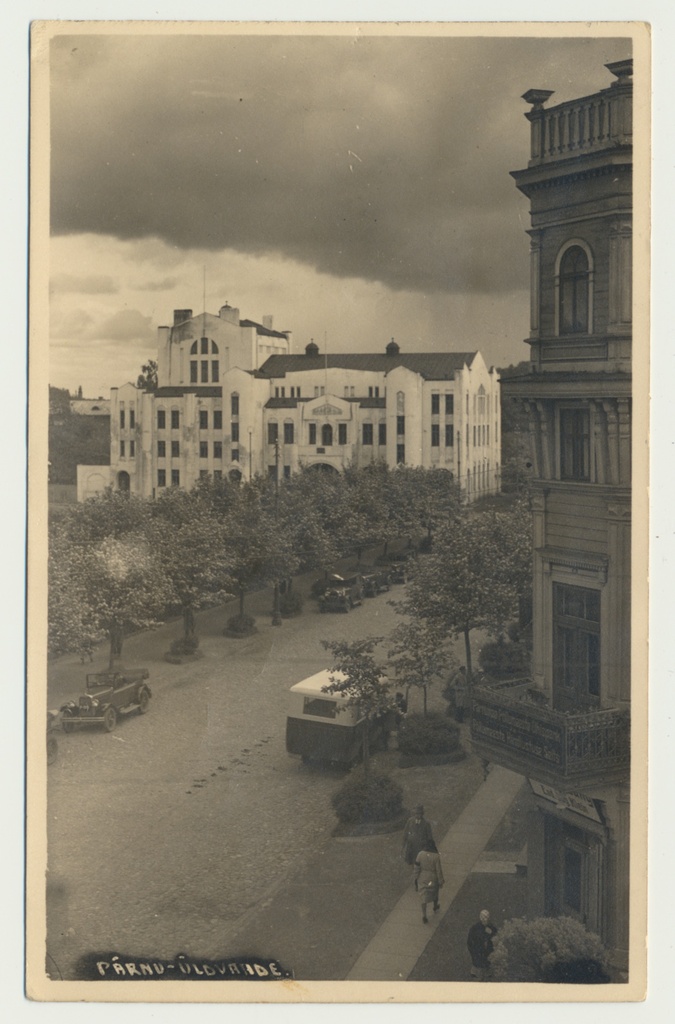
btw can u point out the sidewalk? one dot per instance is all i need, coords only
(333, 919)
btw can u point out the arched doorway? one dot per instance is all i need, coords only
(235, 476)
(123, 481)
(322, 467)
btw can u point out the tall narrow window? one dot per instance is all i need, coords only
(217, 449)
(175, 478)
(175, 450)
(449, 435)
(289, 433)
(576, 645)
(400, 425)
(132, 419)
(203, 419)
(121, 419)
(234, 404)
(312, 433)
(449, 405)
(215, 370)
(161, 449)
(217, 419)
(161, 478)
(326, 435)
(435, 435)
(205, 371)
(272, 433)
(161, 419)
(367, 433)
(575, 444)
(382, 433)
(435, 405)
(342, 433)
(234, 428)
(203, 449)
(574, 276)
(193, 371)
(400, 454)
(175, 419)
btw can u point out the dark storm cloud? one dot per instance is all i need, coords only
(380, 158)
(91, 285)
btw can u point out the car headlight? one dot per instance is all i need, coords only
(94, 703)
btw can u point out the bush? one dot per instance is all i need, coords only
(546, 948)
(432, 734)
(185, 645)
(240, 625)
(290, 604)
(503, 660)
(364, 799)
(425, 545)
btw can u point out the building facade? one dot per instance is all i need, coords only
(568, 730)
(233, 400)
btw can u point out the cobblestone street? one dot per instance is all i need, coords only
(164, 834)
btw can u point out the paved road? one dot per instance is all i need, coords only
(164, 833)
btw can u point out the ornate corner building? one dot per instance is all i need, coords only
(567, 730)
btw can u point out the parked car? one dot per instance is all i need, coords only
(108, 695)
(342, 593)
(322, 728)
(400, 568)
(375, 581)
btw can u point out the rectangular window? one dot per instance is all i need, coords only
(161, 478)
(204, 371)
(132, 449)
(400, 426)
(449, 435)
(175, 478)
(435, 405)
(287, 472)
(487, 434)
(132, 419)
(367, 433)
(575, 455)
(312, 433)
(319, 707)
(161, 419)
(218, 449)
(234, 404)
(400, 454)
(435, 435)
(289, 433)
(276, 392)
(449, 405)
(203, 449)
(122, 419)
(203, 419)
(283, 392)
(474, 435)
(342, 433)
(272, 472)
(297, 392)
(175, 450)
(272, 433)
(235, 455)
(175, 419)
(234, 431)
(204, 346)
(161, 449)
(193, 371)
(217, 419)
(576, 645)
(382, 433)
(122, 449)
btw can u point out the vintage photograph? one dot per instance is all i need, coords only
(338, 489)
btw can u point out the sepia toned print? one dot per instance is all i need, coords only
(335, 416)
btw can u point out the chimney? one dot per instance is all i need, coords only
(392, 348)
(268, 321)
(229, 313)
(180, 315)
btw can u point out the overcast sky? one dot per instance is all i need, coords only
(357, 189)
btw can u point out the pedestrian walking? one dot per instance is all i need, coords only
(428, 877)
(460, 689)
(479, 944)
(416, 833)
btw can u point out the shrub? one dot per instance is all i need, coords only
(432, 734)
(546, 948)
(503, 660)
(185, 644)
(240, 625)
(425, 545)
(368, 799)
(291, 604)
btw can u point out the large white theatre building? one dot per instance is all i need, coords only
(234, 400)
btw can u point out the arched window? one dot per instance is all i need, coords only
(326, 435)
(574, 291)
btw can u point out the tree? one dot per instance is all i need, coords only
(72, 624)
(191, 545)
(147, 379)
(480, 566)
(359, 678)
(74, 439)
(419, 653)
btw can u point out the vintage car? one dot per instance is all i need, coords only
(108, 695)
(342, 593)
(400, 567)
(375, 581)
(321, 728)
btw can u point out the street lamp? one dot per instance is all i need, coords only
(276, 614)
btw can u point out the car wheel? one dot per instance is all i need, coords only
(67, 723)
(143, 701)
(52, 749)
(109, 719)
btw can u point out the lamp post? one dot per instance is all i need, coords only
(276, 614)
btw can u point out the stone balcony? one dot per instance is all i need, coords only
(511, 728)
(591, 124)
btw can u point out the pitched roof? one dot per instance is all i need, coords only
(430, 365)
(267, 332)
